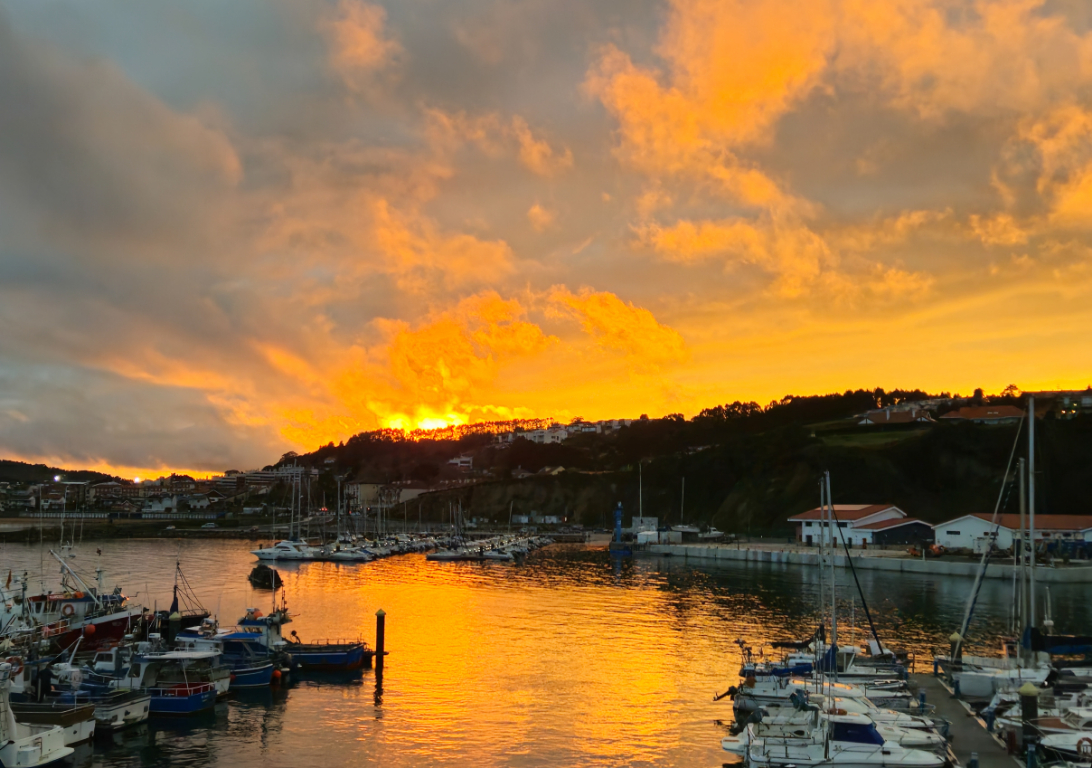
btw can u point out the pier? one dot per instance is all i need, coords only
(968, 735)
(876, 560)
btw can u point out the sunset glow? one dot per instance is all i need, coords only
(350, 215)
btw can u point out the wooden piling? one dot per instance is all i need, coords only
(380, 640)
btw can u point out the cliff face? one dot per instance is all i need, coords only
(754, 482)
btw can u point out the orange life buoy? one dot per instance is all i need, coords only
(68, 609)
(16, 664)
(836, 711)
(1084, 746)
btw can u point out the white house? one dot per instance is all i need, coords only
(811, 527)
(464, 462)
(974, 531)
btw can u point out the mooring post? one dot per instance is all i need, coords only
(1029, 711)
(380, 632)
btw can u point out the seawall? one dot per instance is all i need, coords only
(931, 567)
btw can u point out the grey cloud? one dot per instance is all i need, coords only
(85, 416)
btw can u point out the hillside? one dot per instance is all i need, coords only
(747, 468)
(21, 472)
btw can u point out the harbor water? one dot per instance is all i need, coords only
(568, 659)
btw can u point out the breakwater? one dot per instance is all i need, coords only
(862, 561)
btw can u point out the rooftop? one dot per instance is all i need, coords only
(847, 511)
(986, 413)
(885, 524)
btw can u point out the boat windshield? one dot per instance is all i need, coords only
(859, 733)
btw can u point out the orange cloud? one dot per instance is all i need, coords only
(537, 154)
(359, 45)
(788, 249)
(494, 135)
(619, 325)
(415, 249)
(540, 218)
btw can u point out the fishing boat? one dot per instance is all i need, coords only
(252, 664)
(186, 609)
(113, 710)
(177, 682)
(76, 719)
(100, 617)
(338, 656)
(24, 745)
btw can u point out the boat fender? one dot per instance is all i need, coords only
(16, 664)
(836, 712)
(68, 610)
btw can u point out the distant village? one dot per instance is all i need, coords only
(182, 497)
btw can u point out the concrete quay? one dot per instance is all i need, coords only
(877, 560)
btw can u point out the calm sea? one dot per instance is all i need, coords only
(568, 659)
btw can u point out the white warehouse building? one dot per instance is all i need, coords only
(974, 531)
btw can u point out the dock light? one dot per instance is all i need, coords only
(56, 478)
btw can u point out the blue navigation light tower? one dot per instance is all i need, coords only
(618, 523)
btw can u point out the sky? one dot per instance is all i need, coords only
(235, 229)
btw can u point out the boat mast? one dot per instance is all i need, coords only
(76, 576)
(818, 654)
(682, 501)
(1022, 591)
(1031, 506)
(833, 584)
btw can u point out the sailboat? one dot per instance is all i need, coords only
(1019, 663)
(843, 741)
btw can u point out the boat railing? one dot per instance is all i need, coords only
(181, 690)
(328, 642)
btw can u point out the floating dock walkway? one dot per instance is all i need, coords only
(968, 734)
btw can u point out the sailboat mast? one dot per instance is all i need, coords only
(1031, 506)
(1022, 593)
(682, 501)
(833, 584)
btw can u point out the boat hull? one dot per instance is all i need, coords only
(78, 721)
(330, 658)
(182, 700)
(252, 677)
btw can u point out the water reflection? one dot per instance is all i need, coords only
(570, 658)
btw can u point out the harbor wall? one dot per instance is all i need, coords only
(932, 566)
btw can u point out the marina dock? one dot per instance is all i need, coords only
(968, 734)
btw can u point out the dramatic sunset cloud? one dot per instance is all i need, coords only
(233, 230)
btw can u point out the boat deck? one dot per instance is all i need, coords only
(967, 732)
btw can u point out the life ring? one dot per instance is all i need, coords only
(16, 664)
(68, 610)
(1084, 746)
